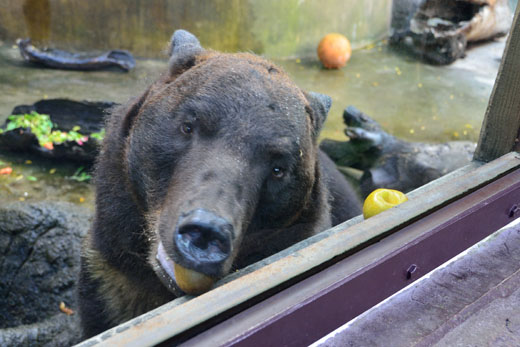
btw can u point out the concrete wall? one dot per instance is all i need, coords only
(276, 28)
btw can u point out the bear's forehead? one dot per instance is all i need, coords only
(261, 119)
(240, 89)
(246, 77)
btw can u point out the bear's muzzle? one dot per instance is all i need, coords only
(203, 241)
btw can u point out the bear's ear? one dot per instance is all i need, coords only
(320, 105)
(184, 47)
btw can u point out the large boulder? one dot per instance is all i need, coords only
(40, 243)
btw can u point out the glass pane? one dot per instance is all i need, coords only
(422, 71)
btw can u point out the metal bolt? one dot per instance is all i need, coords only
(410, 271)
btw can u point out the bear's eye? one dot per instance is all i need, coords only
(186, 128)
(278, 172)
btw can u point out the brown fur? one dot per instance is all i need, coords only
(246, 117)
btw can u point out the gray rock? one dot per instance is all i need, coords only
(40, 243)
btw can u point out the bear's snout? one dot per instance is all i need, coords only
(203, 241)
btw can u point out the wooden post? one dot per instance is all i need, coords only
(500, 131)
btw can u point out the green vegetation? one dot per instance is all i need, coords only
(42, 127)
(99, 135)
(80, 175)
(40, 124)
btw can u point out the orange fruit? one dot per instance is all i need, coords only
(334, 51)
(6, 171)
(382, 199)
(192, 282)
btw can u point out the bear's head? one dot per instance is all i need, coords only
(221, 147)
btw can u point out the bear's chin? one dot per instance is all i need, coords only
(164, 268)
(177, 279)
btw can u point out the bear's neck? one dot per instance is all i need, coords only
(119, 222)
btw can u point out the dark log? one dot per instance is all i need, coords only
(59, 59)
(389, 162)
(64, 114)
(439, 31)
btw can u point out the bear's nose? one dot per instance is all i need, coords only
(203, 241)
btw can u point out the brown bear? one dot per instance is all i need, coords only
(214, 167)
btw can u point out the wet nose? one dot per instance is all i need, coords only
(203, 241)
